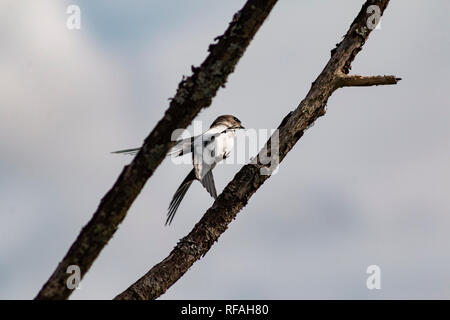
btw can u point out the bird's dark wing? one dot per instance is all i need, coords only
(208, 183)
(131, 152)
(204, 153)
(179, 195)
(182, 147)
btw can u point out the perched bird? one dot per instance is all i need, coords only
(207, 149)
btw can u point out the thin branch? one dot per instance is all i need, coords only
(360, 81)
(193, 94)
(247, 181)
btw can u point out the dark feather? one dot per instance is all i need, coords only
(179, 195)
(208, 183)
(128, 151)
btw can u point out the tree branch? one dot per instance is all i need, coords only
(360, 81)
(193, 94)
(247, 181)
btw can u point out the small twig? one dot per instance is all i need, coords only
(361, 81)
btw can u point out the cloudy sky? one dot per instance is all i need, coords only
(367, 185)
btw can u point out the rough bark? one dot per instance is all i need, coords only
(247, 181)
(193, 94)
(360, 81)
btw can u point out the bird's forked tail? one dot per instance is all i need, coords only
(179, 195)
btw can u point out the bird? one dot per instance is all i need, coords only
(207, 149)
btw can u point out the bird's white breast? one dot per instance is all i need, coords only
(224, 143)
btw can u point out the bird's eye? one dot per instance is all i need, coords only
(236, 119)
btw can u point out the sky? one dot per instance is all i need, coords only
(368, 184)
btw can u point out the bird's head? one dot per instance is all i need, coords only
(231, 122)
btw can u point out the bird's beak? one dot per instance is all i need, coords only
(241, 127)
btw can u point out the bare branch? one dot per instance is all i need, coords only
(247, 181)
(360, 81)
(193, 94)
